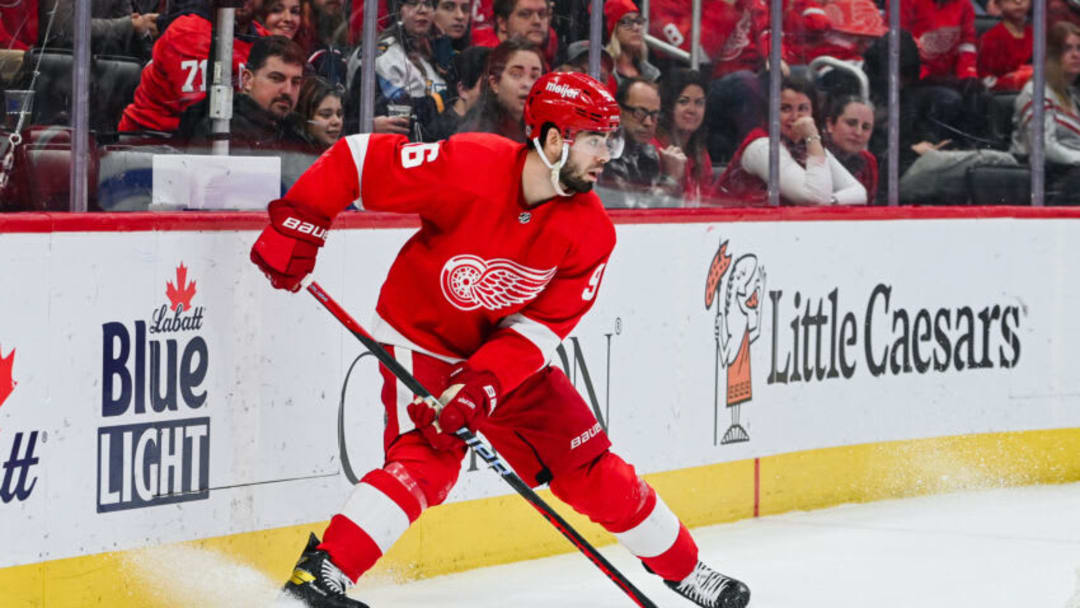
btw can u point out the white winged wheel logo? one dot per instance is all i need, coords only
(469, 282)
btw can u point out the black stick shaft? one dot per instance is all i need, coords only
(484, 451)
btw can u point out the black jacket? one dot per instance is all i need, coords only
(251, 128)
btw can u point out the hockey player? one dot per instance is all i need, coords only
(475, 305)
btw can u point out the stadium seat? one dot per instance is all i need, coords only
(1000, 118)
(113, 82)
(41, 179)
(112, 87)
(999, 185)
(52, 90)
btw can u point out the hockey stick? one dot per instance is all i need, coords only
(483, 450)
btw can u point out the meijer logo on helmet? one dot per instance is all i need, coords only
(563, 90)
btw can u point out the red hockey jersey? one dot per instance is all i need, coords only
(176, 76)
(805, 24)
(1004, 59)
(945, 34)
(486, 278)
(19, 23)
(731, 31)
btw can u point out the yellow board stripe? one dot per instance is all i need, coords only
(479, 533)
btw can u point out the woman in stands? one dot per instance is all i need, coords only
(1062, 114)
(510, 71)
(321, 108)
(281, 18)
(809, 174)
(849, 122)
(682, 113)
(405, 70)
(626, 41)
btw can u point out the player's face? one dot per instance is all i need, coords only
(416, 16)
(283, 18)
(325, 125)
(530, 19)
(522, 69)
(851, 130)
(275, 86)
(585, 162)
(689, 110)
(452, 17)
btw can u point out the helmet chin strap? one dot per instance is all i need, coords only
(556, 167)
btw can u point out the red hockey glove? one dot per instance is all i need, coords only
(286, 249)
(469, 398)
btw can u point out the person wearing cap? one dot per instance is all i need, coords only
(576, 59)
(625, 28)
(853, 25)
(803, 26)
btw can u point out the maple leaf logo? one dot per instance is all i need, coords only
(7, 384)
(182, 292)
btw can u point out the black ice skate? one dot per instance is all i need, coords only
(317, 582)
(710, 589)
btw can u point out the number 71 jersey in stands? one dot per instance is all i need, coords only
(177, 75)
(486, 278)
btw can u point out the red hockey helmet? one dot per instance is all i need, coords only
(571, 101)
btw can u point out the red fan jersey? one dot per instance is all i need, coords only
(483, 13)
(805, 24)
(732, 31)
(19, 24)
(945, 34)
(176, 76)
(1004, 59)
(486, 278)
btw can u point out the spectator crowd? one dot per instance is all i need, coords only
(693, 137)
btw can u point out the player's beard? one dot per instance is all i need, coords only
(574, 180)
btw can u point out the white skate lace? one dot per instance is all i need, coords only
(334, 578)
(703, 585)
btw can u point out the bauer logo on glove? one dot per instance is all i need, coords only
(286, 249)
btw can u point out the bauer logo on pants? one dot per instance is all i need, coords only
(153, 374)
(737, 287)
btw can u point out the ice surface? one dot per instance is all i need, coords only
(206, 579)
(1013, 547)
